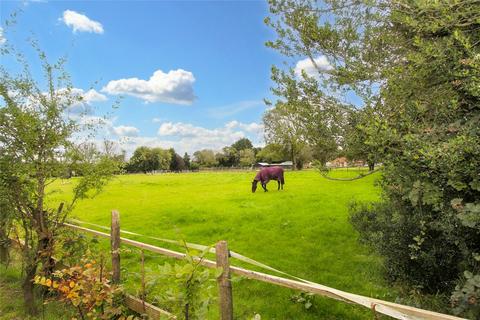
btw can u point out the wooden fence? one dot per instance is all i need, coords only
(394, 310)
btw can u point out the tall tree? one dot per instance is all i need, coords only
(186, 160)
(205, 158)
(305, 114)
(247, 157)
(37, 146)
(272, 153)
(242, 144)
(360, 137)
(416, 64)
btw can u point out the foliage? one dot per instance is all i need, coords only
(7, 214)
(186, 160)
(194, 166)
(229, 157)
(36, 147)
(302, 116)
(416, 64)
(189, 289)
(247, 157)
(242, 144)
(176, 163)
(146, 159)
(205, 158)
(87, 289)
(304, 298)
(465, 298)
(360, 142)
(272, 153)
(403, 243)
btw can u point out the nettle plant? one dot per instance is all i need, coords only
(87, 289)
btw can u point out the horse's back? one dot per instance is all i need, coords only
(273, 172)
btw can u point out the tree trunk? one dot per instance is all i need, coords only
(45, 247)
(28, 294)
(294, 163)
(371, 166)
(4, 245)
(4, 253)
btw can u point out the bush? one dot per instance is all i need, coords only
(414, 252)
(86, 288)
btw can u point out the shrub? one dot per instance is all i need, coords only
(87, 289)
(414, 252)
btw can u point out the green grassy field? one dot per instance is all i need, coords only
(302, 230)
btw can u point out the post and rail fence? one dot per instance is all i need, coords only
(222, 253)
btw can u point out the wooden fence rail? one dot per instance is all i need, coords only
(394, 310)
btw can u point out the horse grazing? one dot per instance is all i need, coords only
(267, 174)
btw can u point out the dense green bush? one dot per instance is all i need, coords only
(414, 252)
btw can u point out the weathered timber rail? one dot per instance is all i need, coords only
(391, 309)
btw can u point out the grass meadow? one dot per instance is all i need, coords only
(302, 230)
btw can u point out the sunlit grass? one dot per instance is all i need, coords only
(302, 230)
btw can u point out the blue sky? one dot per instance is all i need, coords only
(192, 74)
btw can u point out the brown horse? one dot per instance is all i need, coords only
(267, 174)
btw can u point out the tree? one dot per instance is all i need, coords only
(176, 163)
(247, 157)
(229, 157)
(415, 63)
(161, 159)
(281, 129)
(304, 115)
(139, 162)
(360, 137)
(146, 160)
(242, 144)
(37, 146)
(272, 153)
(186, 160)
(205, 158)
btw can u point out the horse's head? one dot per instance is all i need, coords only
(254, 185)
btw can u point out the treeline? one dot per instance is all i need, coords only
(242, 154)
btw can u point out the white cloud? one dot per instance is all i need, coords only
(126, 131)
(188, 137)
(174, 87)
(157, 120)
(92, 95)
(309, 68)
(2, 37)
(80, 22)
(253, 127)
(88, 98)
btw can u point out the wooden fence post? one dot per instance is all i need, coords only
(224, 284)
(115, 246)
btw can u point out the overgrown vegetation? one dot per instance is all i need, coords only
(36, 148)
(415, 65)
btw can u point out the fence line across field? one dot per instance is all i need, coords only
(394, 310)
(200, 247)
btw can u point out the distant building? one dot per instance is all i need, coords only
(262, 164)
(285, 164)
(338, 163)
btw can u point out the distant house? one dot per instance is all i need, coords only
(338, 163)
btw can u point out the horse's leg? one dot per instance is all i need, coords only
(264, 186)
(278, 181)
